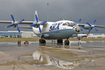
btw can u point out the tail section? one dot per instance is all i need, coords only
(36, 22)
(36, 16)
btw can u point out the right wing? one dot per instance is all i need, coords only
(26, 27)
(86, 25)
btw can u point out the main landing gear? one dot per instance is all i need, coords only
(60, 41)
(66, 42)
(42, 41)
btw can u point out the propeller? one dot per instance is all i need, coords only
(14, 23)
(79, 22)
(37, 22)
(91, 59)
(92, 26)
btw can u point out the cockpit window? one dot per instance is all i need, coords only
(64, 23)
(69, 24)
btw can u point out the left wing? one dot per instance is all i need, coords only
(10, 22)
(14, 23)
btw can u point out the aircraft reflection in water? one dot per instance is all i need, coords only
(59, 57)
(47, 55)
(54, 61)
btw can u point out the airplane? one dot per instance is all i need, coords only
(63, 29)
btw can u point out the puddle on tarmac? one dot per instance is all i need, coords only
(52, 56)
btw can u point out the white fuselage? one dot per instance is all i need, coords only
(53, 29)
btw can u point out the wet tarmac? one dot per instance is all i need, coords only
(90, 55)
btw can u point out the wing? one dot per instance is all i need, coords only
(9, 22)
(26, 27)
(98, 26)
(86, 25)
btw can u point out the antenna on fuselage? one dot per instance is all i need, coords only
(47, 11)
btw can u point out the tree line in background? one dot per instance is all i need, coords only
(11, 36)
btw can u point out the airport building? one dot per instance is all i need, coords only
(14, 34)
(30, 34)
(96, 35)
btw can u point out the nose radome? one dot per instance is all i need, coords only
(77, 29)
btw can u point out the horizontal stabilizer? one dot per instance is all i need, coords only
(82, 35)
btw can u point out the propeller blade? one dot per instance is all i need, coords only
(96, 29)
(94, 63)
(13, 68)
(88, 53)
(89, 31)
(31, 63)
(88, 23)
(33, 25)
(39, 29)
(18, 58)
(94, 22)
(88, 62)
(18, 28)
(79, 21)
(58, 63)
(39, 58)
(43, 22)
(10, 25)
(9, 62)
(20, 21)
(80, 66)
(36, 18)
(81, 29)
(12, 18)
(96, 56)
(81, 57)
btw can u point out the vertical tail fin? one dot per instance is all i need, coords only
(36, 16)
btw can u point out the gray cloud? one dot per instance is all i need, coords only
(88, 10)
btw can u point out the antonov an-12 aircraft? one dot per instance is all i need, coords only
(59, 30)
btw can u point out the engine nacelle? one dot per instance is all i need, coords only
(45, 35)
(79, 35)
(76, 28)
(14, 24)
(86, 27)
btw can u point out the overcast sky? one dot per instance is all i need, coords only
(88, 10)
